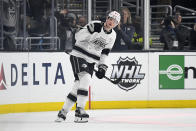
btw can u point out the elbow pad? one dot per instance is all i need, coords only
(94, 27)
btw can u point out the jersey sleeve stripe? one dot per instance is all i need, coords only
(89, 29)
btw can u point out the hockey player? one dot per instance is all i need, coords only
(92, 46)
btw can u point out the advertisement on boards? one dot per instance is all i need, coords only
(177, 72)
(132, 69)
(129, 70)
(34, 77)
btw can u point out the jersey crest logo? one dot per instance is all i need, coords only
(99, 43)
(129, 70)
(84, 65)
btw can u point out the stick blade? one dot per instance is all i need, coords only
(116, 81)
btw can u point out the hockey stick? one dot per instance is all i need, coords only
(114, 82)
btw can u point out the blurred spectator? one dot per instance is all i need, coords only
(81, 21)
(61, 27)
(174, 35)
(38, 22)
(70, 31)
(66, 29)
(182, 32)
(168, 34)
(138, 26)
(137, 39)
(125, 32)
(36, 9)
(193, 38)
(9, 19)
(178, 18)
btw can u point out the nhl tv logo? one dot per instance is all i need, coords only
(129, 70)
(2, 79)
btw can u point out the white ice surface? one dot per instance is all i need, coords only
(105, 120)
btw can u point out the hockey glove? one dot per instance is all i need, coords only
(94, 27)
(101, 71)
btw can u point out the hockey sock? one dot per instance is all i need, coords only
(82, 98)
(82, 93)
(71, 98)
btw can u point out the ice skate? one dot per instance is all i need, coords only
(61, 116)
(80, 115)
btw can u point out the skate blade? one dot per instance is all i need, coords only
(80, 120)
(59, 120)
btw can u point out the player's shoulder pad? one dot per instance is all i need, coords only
(94, 26)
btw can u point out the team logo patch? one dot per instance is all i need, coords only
(129, 70)
(99, 43)
(84, 65)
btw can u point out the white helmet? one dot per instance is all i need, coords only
(115, 15)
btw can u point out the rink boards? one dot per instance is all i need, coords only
(40, 81)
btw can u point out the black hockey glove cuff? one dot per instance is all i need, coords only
(101, 71)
